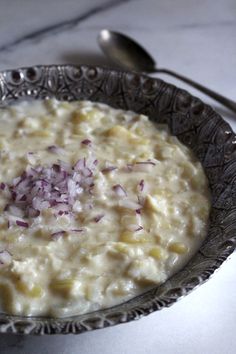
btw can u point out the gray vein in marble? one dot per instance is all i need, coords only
(62, 26)
(201, 25)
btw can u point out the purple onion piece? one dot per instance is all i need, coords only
(58, 234)
(22, 223)
(141, 185)
(98, 218)
(145, 163)
(54, 149)
(109, 169)
(138, 229)
(2, 186)
(86, 142)
(119, 190)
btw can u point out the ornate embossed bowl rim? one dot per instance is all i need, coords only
(193, 122)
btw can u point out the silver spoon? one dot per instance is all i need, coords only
(127, 53)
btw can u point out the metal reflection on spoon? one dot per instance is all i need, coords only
(128, 54)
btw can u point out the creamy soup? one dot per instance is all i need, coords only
(97, 205)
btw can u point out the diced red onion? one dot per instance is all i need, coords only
(141, 166)
(57, 186)
(139, 228)
(87, 206)
(145, 163)
(71, 185)
(31, 172)
(80, 165)
(23, 184)
(54, 149)
(61, 208)
(56, 167)
(6, 207)
(33, 213)
(87, 172)
(98, 218)
(14, 195)
(60, 213)
(2, 186)
(56, 235)
(17, 180)
(119, 190)
(31, 158)
(108, 169)
(134, 227)
(138, 218)
(65, 165)
(141, 200)
(86, 142)
(21, 198)
(40, 204)
(91, 162)
(141, 185)
(88, 181)
(22, 223)
(129, 167)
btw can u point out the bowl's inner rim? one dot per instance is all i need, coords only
(224, 127)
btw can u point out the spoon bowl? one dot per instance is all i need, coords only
(125, 52)
(128, 54)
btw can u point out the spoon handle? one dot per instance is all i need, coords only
(223, 100)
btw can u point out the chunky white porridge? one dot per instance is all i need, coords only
(97, 205)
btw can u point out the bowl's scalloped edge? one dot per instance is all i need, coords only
(194, 122)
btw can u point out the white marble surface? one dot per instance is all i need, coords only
(195, 38)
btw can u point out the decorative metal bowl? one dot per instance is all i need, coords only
(196, 124)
